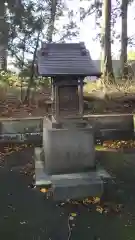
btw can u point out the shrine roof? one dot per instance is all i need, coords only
(61, 59)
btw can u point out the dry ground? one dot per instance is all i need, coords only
(93, 104)
(116, 99)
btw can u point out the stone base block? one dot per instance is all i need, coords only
(68, 150)
(76, 186)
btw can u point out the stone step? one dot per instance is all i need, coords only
(12, 100)
(69, 186)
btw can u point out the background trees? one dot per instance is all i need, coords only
(24, 24)
(107, 12)
(29, 23)
(107, 68)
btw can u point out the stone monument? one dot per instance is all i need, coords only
(66, 162)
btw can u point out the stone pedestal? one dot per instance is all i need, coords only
(66, 162)
(68, 150)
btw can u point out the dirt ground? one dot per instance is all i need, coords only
(97, 107)
(25, 214)
(40, 105)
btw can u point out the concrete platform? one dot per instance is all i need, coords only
(70, 186)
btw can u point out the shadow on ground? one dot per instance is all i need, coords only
(25, 214)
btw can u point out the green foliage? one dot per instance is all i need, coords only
(94, 7)
(131, 55)
(25, 23)
(8, 78)
(11, 79)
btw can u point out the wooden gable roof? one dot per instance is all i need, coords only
(62, 59)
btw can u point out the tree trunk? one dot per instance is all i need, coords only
(22, 67)
(106, 60)
(124, 39)
(26, 100)
(3, 37)
(52, 20)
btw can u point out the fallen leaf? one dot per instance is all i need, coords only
(93, 200)
(99, 209)
(62, 204)
(23, 222)
(43, 190)
(96, 200)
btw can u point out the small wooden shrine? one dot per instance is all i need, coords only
(67, 64)
(66, 160)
